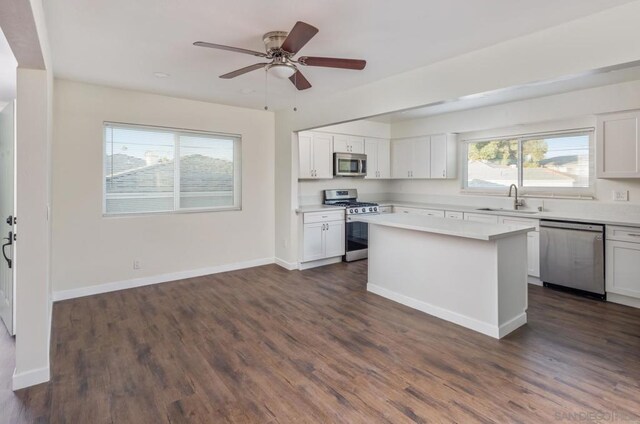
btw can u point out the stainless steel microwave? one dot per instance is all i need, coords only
(349, 165)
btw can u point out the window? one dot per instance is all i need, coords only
(142, 175)
(553, 164)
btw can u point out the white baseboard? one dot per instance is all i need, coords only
(321, 262)
(155, 279)
(512, 325)
(447, 315)
(30, 378)
(623, 300)
(534, 280)
(286, 265)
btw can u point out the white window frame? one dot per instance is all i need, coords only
(177, 132)
(540, 192)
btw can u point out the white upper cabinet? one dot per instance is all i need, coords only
(315, 154)
(378, 157)
(424, 157)
(443, 156)
(410, 158)
(348, 144)
(618, 145)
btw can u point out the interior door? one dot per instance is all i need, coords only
(7, 146)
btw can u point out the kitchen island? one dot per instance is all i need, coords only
(469, 273)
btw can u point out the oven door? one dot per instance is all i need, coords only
(349, 165)
(356, 240)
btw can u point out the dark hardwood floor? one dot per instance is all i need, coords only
(265, 345)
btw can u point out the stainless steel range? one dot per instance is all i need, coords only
(357, 233)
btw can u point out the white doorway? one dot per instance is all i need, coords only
(7, 215)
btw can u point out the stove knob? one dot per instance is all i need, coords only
(356, 210)
(350, 210)
(364, 209)
(370, 209)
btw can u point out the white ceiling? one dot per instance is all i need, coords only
(122, 43)
(8, 66)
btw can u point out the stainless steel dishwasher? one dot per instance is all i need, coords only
(572, 255)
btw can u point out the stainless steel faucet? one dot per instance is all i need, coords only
(516, 203)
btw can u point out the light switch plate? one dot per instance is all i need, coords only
(621, 196)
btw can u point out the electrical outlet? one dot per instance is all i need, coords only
(621, 196)
(136, 264)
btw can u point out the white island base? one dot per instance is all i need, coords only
(468, 273)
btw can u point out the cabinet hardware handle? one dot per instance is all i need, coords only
(443, 172)
(633, 235)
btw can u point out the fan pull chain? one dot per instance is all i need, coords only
(266, 89)
(295, 93)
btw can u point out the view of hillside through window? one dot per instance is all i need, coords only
(547, 162)
(141, 174)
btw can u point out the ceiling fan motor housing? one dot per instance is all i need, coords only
(273, 40)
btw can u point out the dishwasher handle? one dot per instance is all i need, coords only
(578, 226)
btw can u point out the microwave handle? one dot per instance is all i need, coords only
(362, 165)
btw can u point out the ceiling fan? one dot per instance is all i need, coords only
(280, 47)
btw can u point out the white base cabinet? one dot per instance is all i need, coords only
(323, 235)
(478, 217)
(623, 261)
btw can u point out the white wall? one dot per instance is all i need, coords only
(596, 41)
(575, 109)
(32, 247)
(89, 249)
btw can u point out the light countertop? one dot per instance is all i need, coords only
(449, 227)
(608, 218)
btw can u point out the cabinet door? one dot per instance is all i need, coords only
(533, 253)
(454, 215)
(313, 243)
(334, 239)
(323, 155)
(618, 145)
(438, 156)
(623, 268)
(371, 150)
(384, 159)
(356, 144)
(402, 209)
(421, 154)
(487, 219)
(341, 143)
(401, 158)
(305, 155)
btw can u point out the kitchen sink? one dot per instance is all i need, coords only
(506, 210)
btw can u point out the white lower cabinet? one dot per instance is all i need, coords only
(478, 217)
(453, 215)
(533, 253)
(323, 235)
(533, 241)
(623, 261)
(419, 211)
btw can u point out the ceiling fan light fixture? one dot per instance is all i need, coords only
(282, 70)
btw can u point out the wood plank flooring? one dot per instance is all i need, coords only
(265, 345)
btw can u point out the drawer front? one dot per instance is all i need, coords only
(623, 268)
(334, 215)
(402, 209)
(385, 209)
(630, 234)
(488, 219)
(454, 215)
(509, 220)
(431, 212)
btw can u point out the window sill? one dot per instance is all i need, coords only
(180, 212)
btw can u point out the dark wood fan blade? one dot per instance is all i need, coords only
(300, 81)
(300, 35)
(332, 62)
(228, 48)
(243, 70)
